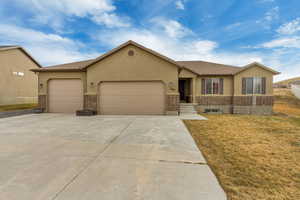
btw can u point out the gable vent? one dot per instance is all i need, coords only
(131, 53)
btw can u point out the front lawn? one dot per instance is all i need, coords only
(17, 107)
(254, 157)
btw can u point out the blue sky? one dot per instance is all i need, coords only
(233, 32)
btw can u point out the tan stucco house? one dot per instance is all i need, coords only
(132, 79)
(18, 85)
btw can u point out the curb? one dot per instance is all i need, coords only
(19, 112)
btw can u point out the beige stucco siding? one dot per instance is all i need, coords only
(187, 74)
(227, 84)
(142, 66)
(44, 78)
(254, 71)
(17, 89)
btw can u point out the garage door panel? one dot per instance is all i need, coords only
(65, 95)
(132, 98)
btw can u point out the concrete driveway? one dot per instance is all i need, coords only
(64, 157)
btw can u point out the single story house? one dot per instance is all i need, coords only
(132, 79)
(18, 85)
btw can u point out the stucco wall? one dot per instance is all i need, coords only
(254, 71)
(187, 74)
(142, 66)
(17, 89)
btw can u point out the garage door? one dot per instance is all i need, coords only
(65, 96)
(132, 98)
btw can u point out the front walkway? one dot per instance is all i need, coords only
(53, 156)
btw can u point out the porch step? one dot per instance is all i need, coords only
(187, 108)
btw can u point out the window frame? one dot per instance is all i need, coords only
(212, 86)
(256, 84)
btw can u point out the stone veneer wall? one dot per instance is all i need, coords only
(172, 104)
(253, 110)
(259, 105)
(222, 103)
(90, 102)
(42, 104)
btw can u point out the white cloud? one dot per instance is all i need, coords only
(179, 5)
(56, 12)
(233, 26)
(269, 18)
(272, 14)
(110, 20)
(289, 42)
(47, 48)
(289, 28)
(171, 27)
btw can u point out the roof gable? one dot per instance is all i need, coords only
(256, 64)
(130, 42)
(6, 48)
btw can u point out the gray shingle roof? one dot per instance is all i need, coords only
(197, 67)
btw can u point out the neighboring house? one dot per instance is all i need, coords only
(287, 83)
(132, 79)
(296, 90)
(18, 85)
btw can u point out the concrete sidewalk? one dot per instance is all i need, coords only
(53, 156)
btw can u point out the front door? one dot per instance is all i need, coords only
(182, 90)
(185, 90)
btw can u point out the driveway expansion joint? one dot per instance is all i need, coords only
(91, 162)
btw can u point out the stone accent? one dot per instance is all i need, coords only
(256, 105)
(226, 109)
(172, 103)
(252, 100)
(264, 100)
(90, 102)
(242, 100)
(253, 110)
(42, 102)
(214, 100)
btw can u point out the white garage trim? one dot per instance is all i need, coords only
(65, 95)
(131, 98)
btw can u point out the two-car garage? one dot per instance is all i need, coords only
(132, 98)
(114, 98)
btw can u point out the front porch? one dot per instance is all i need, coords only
(187, 92)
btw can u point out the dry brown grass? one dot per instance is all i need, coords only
(17, 107)
(286, 103)
(254, 157)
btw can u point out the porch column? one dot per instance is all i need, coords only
(194, 90)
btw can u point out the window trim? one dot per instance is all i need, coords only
(214, 90)
(254, 80)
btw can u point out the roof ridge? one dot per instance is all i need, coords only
(70, 63)
(209, 63)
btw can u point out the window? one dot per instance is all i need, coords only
(18, 73)
(254, 85)
(249, 85)
(208, 86)
(212, 86)
(257, 82)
